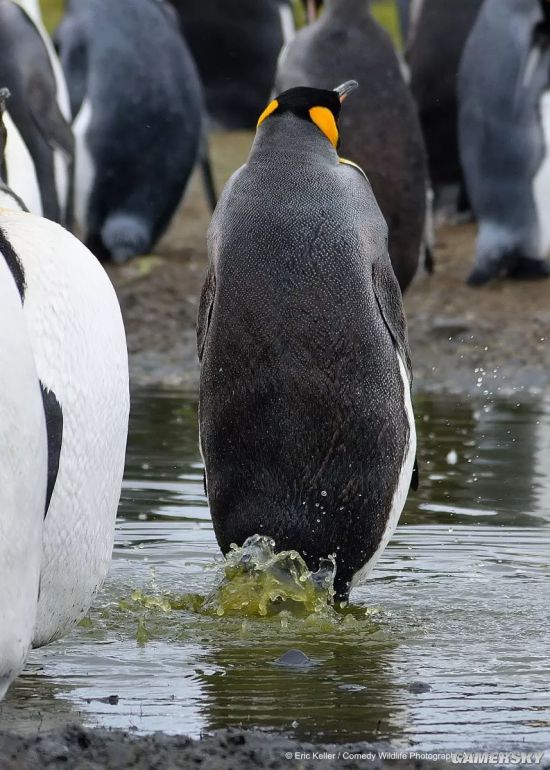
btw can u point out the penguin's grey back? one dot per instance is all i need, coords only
(379, 126)
(501, 136)
(301, 389)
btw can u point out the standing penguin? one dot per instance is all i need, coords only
(79, 346)
(40, 149)
(236, 44)
(381, 129)
(138, 104)
(504, 132)
(437, 36)
(23, 474)
(306, 424)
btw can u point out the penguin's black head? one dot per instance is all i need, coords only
(314, 105)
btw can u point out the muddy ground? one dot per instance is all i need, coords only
(495, 338)
(82, 749)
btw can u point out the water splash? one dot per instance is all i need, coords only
(255, 583)
(260, 582)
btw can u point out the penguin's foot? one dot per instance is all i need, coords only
(527, 268)
(496, 263)
(520, 268)
(479, 276)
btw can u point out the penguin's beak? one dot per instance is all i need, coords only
(346, 88)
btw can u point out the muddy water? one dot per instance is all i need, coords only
(453, 651)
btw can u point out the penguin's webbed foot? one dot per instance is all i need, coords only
(527, 268)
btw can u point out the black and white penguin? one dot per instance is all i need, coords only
(79, 346)
(236, 44)
(137, 99)
(306, 424)
(504, 131)
(40, 150)
(23, 474)
(380, 127)
(437, 33)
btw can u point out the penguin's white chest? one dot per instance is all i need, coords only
(79, 347)
(541, 184)
(403, 486)
(23, 472)
(20, 167)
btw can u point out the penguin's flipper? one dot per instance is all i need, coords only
(48, 117)
(415, 476)
(54, 430)
(389, 299)
(205, 309)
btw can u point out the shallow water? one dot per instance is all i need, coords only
(452, 653)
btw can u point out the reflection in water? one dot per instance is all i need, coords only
(458, 646)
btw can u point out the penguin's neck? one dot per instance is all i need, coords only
(288, 139)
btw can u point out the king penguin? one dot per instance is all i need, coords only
(40, 151)
(23, 474)
(79, 346)
(504, 134)
(380, 128)
(138, 106)
(306, 424)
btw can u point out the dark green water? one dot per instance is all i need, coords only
(454, 656)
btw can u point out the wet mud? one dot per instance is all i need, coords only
(82, 749)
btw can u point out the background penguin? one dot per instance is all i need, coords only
(77, 337)
(380, 126)
(438, 33)
(306, 424)
(23, 473)
(504, 130)
(40, 148)
(236, 44)
(137, 99)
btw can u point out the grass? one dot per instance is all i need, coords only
(52, 11)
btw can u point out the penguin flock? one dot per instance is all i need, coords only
(306, 421)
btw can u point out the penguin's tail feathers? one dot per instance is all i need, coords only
(125, 235)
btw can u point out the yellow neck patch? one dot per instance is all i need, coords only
(271, 107)
(324, 119)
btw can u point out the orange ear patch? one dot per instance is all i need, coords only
(324, 119)
(271, 107)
